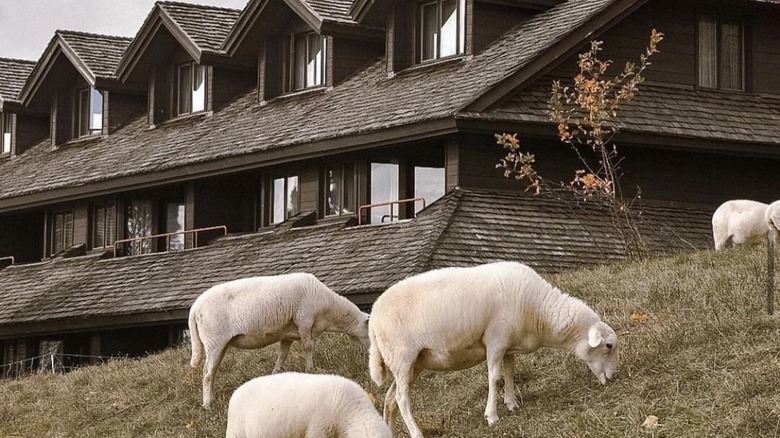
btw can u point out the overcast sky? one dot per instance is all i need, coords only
(26, 26)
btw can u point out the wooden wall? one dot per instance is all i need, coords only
(491, 21)
(123, 108)
(229, 83)
(348, 56)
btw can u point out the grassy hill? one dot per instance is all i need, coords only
(706, 362)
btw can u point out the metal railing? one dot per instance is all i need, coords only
(168, 236)
(11, 258)
(391, 204)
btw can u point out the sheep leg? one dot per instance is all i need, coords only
(214, 357)
(284, 350)
(304, 332)
(510, 400)
(390, 411)
(494, 360)
(403, 381)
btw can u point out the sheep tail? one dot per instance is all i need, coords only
(197, 345)
(376, 364)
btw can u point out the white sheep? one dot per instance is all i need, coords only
(455, 318)
(739, 221)
(259, 311)
(772, 218)
(303, 405)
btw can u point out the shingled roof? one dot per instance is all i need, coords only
(463, 228)
(335, 10)
(247, 132)
(14, 73)
(665, 110)
(206, 26)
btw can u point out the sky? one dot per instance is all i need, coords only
(26, 26)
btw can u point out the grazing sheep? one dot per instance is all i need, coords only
(455, 318)
(739, 221)
(303, 405)
(259, 311)
(772, 218)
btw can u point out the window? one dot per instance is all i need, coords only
(340, 190)
(5, 129)
(720, 54)
(305, 61)
(384, 187)
(62, 231)
(50, 353)
(103, 225)
(442, 30)
(428, 184)
(89, 112)
(190, 88)
(139, 224)
(284, 198)
(174, 222)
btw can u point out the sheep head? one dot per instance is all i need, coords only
(600, 351)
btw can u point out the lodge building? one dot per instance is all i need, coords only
(353, 140)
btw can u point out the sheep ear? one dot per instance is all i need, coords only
(594, 337)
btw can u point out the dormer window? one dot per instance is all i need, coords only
(89, 112)
(720, 54)
(190, 88)
(442, 29)
(305, 65)
(285, 198)
(5, 129)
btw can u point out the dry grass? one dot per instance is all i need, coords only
(705, 362)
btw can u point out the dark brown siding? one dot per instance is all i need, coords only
(21, 236)
(30, 130)
(270, 83)
(765, 34)
(491, 21)
(350, 55)
(80, 224)
(159, 94)
(400, 39)
(228, 201)
(123, 109)
(227, 84)
(309, 186)
(61, 118)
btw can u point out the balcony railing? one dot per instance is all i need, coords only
(167, 236)
(387, 203)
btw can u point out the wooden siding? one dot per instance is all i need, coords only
(123, 109)
(29, 131)
(309, 184)
(400, 40)
(159, 94)
(228, 201)
(765, 52)
(21, 236)
(228, 83)
(491, 21)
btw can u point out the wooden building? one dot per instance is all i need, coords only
(222, 143)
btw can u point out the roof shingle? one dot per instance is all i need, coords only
(100, 53)
(206, 26)
(14, 73)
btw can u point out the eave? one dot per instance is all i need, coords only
(157, 19)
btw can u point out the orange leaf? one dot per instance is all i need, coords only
(638, 316)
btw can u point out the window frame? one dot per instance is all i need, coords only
(342, 210)
(288, 202)
(460, 30)
(66, 241)
(6, 133)
(109, 231)
(719, 63)
(82, 108)
(195, 71)
(292, 68)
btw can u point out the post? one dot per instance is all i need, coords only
(770, 274)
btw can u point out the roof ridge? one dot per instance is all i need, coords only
(196, 5)
(452, 204)
(78, 32)
(18, 60)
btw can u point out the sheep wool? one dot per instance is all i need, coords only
(303, 405)
(772, 219)
(739, 221)
(456, 318)
(256, 312)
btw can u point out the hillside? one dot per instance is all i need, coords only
(706, 362)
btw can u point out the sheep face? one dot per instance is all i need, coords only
(360, 331)
(600, 351)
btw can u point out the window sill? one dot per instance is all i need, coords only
(294, 94)
(81, 140)
(183, 118)
(432, 64)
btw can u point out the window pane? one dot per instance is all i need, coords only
(332, 191)
(5, 122)
(429, 184)
(384, 187)
(292, 196)
(175, 222)
(185, 90)
(199, 89)
(461, 26)
(429, 30)
(68, 233)
(110, 224)
(315, 61)
(299, 65)
(731, 56)
(59, 231)
(708, 56)
(99, 227)
(449, 28)
(348, 200)
(95, 111)
(277, 207)
(139, 223)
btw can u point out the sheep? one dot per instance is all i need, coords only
(772, 219)
(256, 312)
(739, 221)
(303, 405)
(455, 318)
